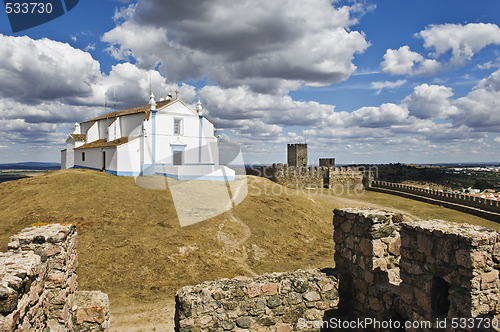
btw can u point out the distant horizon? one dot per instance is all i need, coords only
(492, 163)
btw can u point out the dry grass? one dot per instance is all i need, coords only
(132, 247)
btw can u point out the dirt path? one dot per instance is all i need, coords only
(143, 317)
(236, 248)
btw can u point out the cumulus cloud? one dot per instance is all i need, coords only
(463, 40)
(480, 108)
(497, 139)
(271, 46)
(406, 62)
(255, 117)
(430, 101)
(36, 70)
(39, 71)
(242, 103)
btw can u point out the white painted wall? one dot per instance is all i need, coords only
(111, 158)
(114, 130)
(93, 158)
(92, 133)
(63, 159)
(69, 156)
(129, 158)
(131, 125)
(84, 126)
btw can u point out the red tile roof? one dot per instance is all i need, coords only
(129, 111)
(79, 137)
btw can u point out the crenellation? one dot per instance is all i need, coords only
(482, 207)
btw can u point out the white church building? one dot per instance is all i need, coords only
(166, 137)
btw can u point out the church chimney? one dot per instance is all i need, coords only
(199, 108)
(152, 102)
(77, 128)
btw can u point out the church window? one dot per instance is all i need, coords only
(177, 126)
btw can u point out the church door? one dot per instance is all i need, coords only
(103, 160)
(177, 157)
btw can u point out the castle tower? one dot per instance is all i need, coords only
(327, 162)
(297, 155)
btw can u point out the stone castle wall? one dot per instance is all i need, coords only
(311, 176)
(475, 202)
(277, 302)
(425, 272)
(38, 284)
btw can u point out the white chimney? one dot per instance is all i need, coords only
(77, 128)
(152, 102)
(199, 108)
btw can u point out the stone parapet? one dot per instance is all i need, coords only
(270, 302)
(461, 199)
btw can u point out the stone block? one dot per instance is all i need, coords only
(89, 307)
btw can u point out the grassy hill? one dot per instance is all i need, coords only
(131, 246)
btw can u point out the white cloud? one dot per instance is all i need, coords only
(90, 47)
(406, 62)
(379, 85)
(430, 102)
(497, 139)
(239, 103)
(463, 40)
(35, 70)
(268, 45)
(480, 109)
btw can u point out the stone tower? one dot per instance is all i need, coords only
(327, 162)
(297, 155)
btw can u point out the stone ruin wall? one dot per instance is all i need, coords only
(476, 202)
(367, 253)
(385, 269)
(38, 284)
(275, 302)
(416, 271)
(311, 176)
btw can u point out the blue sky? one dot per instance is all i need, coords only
(364, 81)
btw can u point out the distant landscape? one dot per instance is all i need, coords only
(15, 171)
(445, 176)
